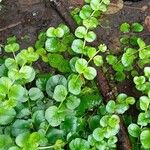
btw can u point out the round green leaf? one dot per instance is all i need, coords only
(113, 121)
(130, 100)
(72, 102)
(14, 148)
(17, 92)
(5, 84)
(85, 12)
(144, 102)
(52, 45)
(91, 52)
(125, 27)
(60, 93)
(21, 126)
(22, 139)
(65, 28)
(10, 63)
(59, 32)
(70, 124)
(74, 85)
(12, 47)
(81, 65)
(53, 82)
(5, 142)
(50, 32)
(139, 80)
(72, 63)
(98, 134)
(111, 106)
(102, 47)
(147, 72)
(79, 144)
(80, 32)
(137, 27)
(53, 116)
(35, 94)
(7, 116)
(111, 59)
(144, 137)
(28, 73)
(90, 23)
(90, 36)
(141, 43)
(98, 60)
(134, 130)
(90, 73)
(77, 46)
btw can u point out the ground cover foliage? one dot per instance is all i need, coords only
(64, 109)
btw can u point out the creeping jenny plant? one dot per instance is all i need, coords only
(63, 109)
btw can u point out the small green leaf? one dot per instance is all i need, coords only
(111, 106)
(16, 92)
(111, 59)
(141, 43)
(5, 142)
(52, 45)
(80, 32)
(90, 73)
(74, 85)
(7, 116)
(137, 27)
(53, 116)
(85, 12)
(90, 36)
(125, 27)
(147, 72)
(12, 47)
(65, 28)
(98, 134)
(72, 63)
(98, 60)
(144, 102)
(53, 82)
(72, 102)
(134, 130)
(113, 121)
(35, 94)
(81, 65)
(91, 52)
(90, 23)
(60, 93)
(52, 32)
(28, 73)
(102, 48)
(144, 137)
(10, 63)
(95, 4)
(21, 126)
(22, 139)
(79, 144)
(130, 100)
(139, 80)
(124, 40)
(77, 46)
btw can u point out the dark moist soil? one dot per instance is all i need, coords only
(26, 18)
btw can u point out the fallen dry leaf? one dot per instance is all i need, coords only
(115, 6)
(147, 22)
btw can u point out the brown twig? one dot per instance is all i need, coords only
(59, 7)
(10, 26)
